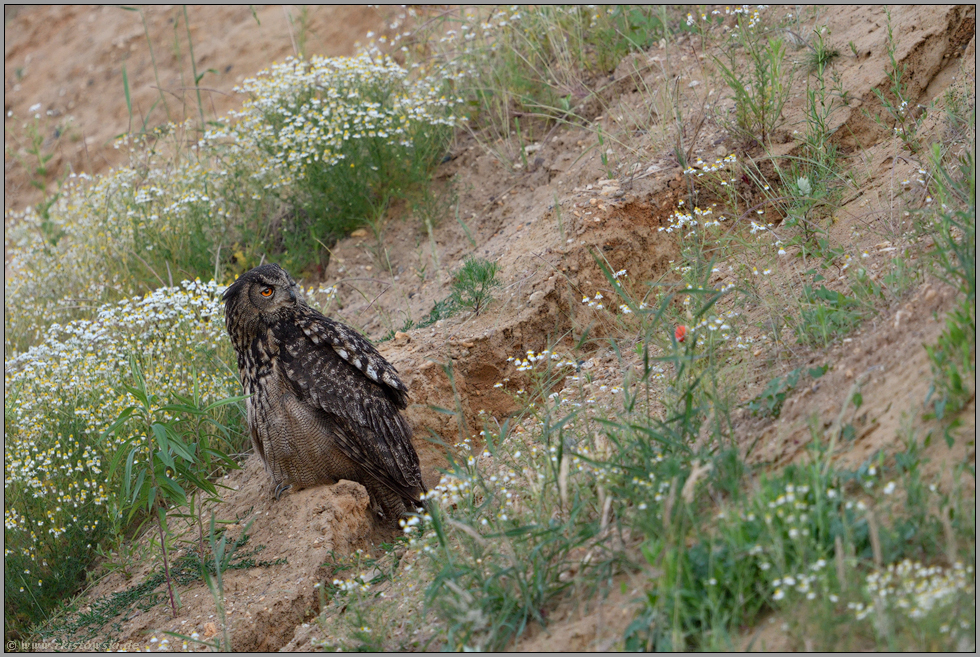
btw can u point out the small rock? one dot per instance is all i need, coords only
(401, 337)
(536, 297)
(360, 232)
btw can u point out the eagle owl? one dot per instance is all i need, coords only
(324, 404)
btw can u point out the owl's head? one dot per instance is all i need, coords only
(260, 292)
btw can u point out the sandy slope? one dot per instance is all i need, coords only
(70, 60)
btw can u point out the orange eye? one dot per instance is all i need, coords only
(267, 292)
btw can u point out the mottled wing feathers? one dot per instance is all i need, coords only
(333, 368)
(353, 348)
(385, 457)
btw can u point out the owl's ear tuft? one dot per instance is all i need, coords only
(234, 289)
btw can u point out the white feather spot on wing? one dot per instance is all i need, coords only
(342, 353)
(371, 372)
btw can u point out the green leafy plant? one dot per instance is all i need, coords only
(473, 284)
(159, 461)
(905, 119)
(821, 52)
(62, 509)
(826, 315)
(954, 362)
(33, 151)
(353, 610)
(770, 401)
(960, 125)
(89, 623)
(213, 575)
(505, 519)
(955, 230)
(813, 180)
(443, 309)
(761, 92)
(953, 357)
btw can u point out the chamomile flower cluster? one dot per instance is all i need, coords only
(689, 221)
(700, 167)
(915, 590)
(597, 301)
(738, 10)
(786, 512)
(74, 377)
(364, 112)
(594, 303)
(791, 510)
(715, 326)
(653, 489)
(106, 233)
(473, 30)
(747, 341)
(359, 583)
(323, 297)
(765, 233)
(531, 360)
(484, 492)
(810, 583)
(450, 490)
(746, 15)
(489, 492)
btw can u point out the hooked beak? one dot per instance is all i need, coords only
(292, 294)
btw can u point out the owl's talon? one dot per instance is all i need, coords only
(282, 488)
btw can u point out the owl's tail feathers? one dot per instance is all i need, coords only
(419, 500)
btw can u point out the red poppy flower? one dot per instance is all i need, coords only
(680, 332)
